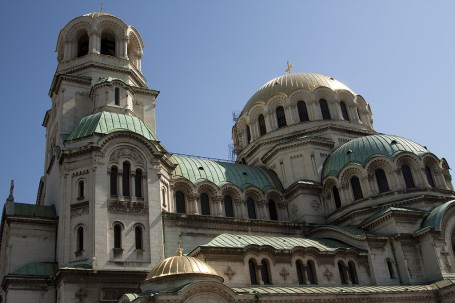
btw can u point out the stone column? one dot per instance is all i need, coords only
(120, 184)
(133, 184)
(218, 209)
(194, 201)
(268, 125)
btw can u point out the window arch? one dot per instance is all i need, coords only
(342, 271)
(407, 175)
(429, 176)
(272, 210)
(303, 111)
(324, 109)
(205, 204)
(180, 202)
(80, 189)
(253, 275)
(251, 207)
(262, 127)
(114, 180)
(280, 117)
(344, 111)
(265, 272)
(300, 272)
(336, 197)
(82, 45)
(381, 180)
(248, 134)
(138, 237)
(117, 236)
(356, 188)
(228, 207)
(138, 183)
(352, 273)
(117, 96)
(391, 271)
(80, 239)
(311, 271)
(126, 178)
(107, 44)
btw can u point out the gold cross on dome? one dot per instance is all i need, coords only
(288, 70)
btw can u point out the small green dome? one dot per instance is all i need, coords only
(360, 150)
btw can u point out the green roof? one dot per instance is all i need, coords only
(284, 243)
(45, 269)
(434, 218)
(360, 150)
(107, 122)
(32, 210)
(198, 170)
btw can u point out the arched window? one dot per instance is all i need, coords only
(228, 207)
(336, 197)
(114, 180)
(107, 44)
(126, 179)
(280, 117)
(262, 127)
(303, 111)
(117, 236)
(265, 272)
(344, 111)
(272, 210)
(407, 175)
(138, 237)
(253, 276)
(391, 271)
(180, 202)
(82, 45)
(205, 204)
(311, 271)
(381, 180)
(429, 176)
(117, 96)
(324, 109)
(251, 207)
(300, 272)
(80, 189)
(248, 134)
(356, 188)
(80, 239)
(342, 271)
(352, 273)
(138, 183)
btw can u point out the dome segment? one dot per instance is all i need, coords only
(290, 82)
(360, 150)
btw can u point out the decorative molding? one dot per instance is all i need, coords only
(80, 211)
(134, 208)
(229, 273)
(126, 152)
(284, 273)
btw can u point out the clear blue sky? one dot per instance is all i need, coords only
(208, 57)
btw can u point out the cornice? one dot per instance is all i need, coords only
(58, 78)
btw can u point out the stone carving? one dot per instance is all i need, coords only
(81, 294)
(77, 212)
(126, 152)
(315, 205)
(328, 274)
(229, 273)
(284, 273)
(127, 208)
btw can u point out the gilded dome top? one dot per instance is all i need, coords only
(180, 265)
(290, 82)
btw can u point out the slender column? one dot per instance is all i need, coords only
(218, 209)
(195, 204)
(120, 184)
(290, 118)
(125, 47)
(133, 184)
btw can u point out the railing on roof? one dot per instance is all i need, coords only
(204, 158)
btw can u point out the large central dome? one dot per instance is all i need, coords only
(288, 83)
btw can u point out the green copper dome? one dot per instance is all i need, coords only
(360, 150)
(107, 122)
(288, 83)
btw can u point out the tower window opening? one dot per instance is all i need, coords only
(248, 134)
(253, 275)
(265, 272)
(138, 237)
(407, 175)
(126, 179)
(344, 111)
(303, 111)
(107, 44)
(82, 45)
(342, 271)
(300, 272)
(117, 236)
(352, 273)
(311, 271)
(138, 183)
(114, 180)
(228, 207)
(356, 188)
(117, 96)
(324, 109)
(80, 190)
(272, 210)
(381, 180)
(180, 202)
(262, 127)
(251, 208)
(205, 204)
(80, 239)
(429, 176)
(391, 271)
(336, 197)
(280, 117)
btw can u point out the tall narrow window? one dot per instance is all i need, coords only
(265, 273)
(352, 273)
(336, 197)
(251, 207)
(381, 180)
(117, 96)
(138, 183)
(429, 176)
(356, 188)
(80, 239)
(126, 179)
(114, 180)
(311, 271)
(180, 202)
(342, 271)
(228, 207)
(303, 111)
(248, 134)
(117, 236)
(407, 175)
(344, 111)
(280, 117)
(205, 204)
(272, 210)
(138, 237)
(253, 275)
(80, 189)
(262, 127)
(82, 45)
(324, 109)
(107, 44)
(300, 272)
(391, 271)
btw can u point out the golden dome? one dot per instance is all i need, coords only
(180, 265)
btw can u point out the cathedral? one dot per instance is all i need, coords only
(317, 207)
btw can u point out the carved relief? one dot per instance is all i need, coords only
(127, 208)
(79, 212)
(229, 273)
(128, 153)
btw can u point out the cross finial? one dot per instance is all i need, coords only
(11, 192)
(288, 70)
(180, 249)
